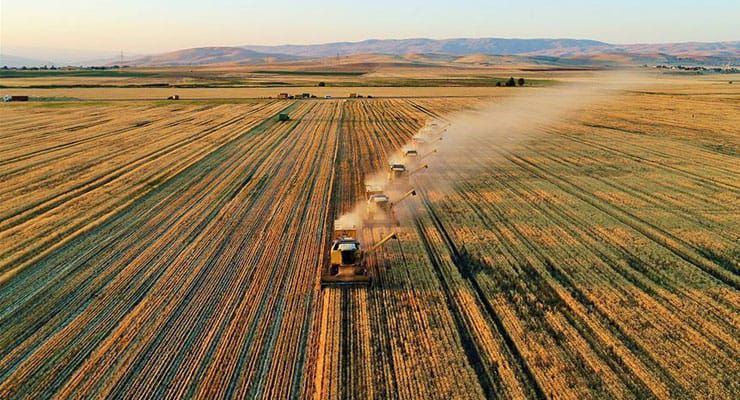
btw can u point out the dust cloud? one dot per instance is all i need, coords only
(466, 144)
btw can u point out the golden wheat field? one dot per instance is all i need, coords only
(173, 249)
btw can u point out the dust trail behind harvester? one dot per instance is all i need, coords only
(474, 139)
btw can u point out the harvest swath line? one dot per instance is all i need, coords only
(464, 268)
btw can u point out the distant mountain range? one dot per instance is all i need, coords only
(425, 46)
(556, 51)
(584, 51)
(8, 60)
(497, 46)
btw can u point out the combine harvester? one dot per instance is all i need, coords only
(429, 135)
(347, 266)
(379, 210)
(399, 174)
(411, 155)
(422, 141)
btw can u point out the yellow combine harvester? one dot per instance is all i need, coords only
(413, 157)
(410, 152)
(425, 140)
(347, 265)
(398, 172)
(379, 209)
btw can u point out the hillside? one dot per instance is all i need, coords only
(553, 51)
(531, 47)
(209, 55)
(446, 46)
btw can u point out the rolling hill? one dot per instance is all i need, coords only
(209, 55)
(555, 51)
(498, 46)
(446, 46)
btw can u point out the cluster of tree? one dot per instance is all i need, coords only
(24, 68)
(512, 82)
(726, 69)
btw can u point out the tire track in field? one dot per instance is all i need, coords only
(681, 248)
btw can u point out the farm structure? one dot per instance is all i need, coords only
(597, 261)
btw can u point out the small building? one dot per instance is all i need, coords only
(282, 96)
(15, 98)
(283, 117)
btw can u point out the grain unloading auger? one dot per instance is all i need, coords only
(347, 261)
(379, 209)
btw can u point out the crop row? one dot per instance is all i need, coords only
(580, 247)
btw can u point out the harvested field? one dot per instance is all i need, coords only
(173, 250)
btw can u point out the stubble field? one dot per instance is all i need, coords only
(173, 250)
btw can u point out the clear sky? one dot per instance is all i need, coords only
(145, 26)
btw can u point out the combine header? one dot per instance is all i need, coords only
(347, 266)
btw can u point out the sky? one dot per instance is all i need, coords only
(151, 26)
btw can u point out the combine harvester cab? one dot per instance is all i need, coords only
(347, 259)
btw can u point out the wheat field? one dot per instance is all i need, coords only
(153, 249)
